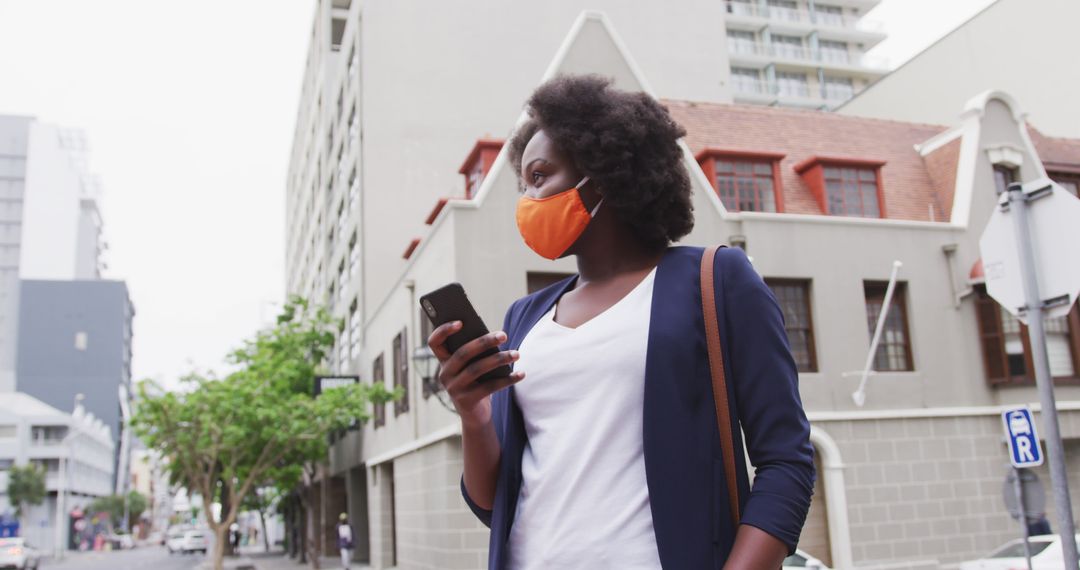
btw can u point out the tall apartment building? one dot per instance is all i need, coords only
(1036, 64)
(50, 226)
(803, 53)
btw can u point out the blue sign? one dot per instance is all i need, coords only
(1024, 450)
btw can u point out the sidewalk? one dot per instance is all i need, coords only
(277, 560)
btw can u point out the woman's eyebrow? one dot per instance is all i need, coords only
(535, 160)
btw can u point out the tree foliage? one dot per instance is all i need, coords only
(113, 507)
(26, 486)
(261, 422)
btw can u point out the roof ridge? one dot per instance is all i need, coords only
(795, 110)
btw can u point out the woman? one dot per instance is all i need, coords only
(604, 451)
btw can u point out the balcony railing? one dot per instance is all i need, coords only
(818, 18)
(803, 53)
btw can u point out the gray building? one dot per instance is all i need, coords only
(75, 337)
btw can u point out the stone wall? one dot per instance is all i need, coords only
(930, 489)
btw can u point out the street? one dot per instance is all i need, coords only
(155, 557)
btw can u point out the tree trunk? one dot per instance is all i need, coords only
(221, 537)
(265, 535)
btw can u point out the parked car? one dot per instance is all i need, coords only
(803, 560)
(17, 553)
(121, 541)
(187, 541)
(1045, 555)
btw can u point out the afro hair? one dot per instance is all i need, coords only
(624, 141)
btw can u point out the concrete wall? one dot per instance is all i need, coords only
(930, 488)
(435, 529)
(1025, 47)
(52, 367)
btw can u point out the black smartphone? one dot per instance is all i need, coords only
(449, 303)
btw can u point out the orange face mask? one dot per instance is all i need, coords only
(551, 225)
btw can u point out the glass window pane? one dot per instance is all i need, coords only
(867, 175)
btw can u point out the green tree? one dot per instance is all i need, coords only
(226, 436)
(113, 507)
(26, 486)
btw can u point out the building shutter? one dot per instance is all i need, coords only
(991, 338)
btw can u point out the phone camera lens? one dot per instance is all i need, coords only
(429, 308)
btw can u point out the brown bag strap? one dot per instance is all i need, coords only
(719, 382)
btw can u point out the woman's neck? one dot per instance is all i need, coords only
(612, 254)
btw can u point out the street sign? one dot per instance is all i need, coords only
(323, 383)
(1054, 222)
(1024, 450)
(1034, 495)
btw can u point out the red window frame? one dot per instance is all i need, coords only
(812, 170)
(709, 158)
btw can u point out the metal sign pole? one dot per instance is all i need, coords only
(1054, 447)
(1022, 507)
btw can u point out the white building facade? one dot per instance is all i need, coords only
(804, 53)
(75, 450)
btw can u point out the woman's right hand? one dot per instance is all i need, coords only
(472, 399)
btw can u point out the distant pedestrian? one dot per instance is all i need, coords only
(345, 540)
(1039, 526)
(606, 446)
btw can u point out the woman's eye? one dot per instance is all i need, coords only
(536, 176)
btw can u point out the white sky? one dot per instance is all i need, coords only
(189, 107)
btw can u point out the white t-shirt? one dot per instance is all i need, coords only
(584, 500)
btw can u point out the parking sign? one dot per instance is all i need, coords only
(1024, 450)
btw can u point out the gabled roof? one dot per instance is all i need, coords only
(1056, 152)
(911, 191)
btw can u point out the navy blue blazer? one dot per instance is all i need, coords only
(683, 465)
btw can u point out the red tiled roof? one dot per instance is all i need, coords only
(1055, 152)
(910, 191)
(941, 166)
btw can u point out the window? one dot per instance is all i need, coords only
(401, 373)
(788, 46)
(354, 330)
(794, 298)
(378, 379)
(343, 349)
(354, 255)
(354, 126)
(740, 41)
(829, 15)
(354, 189)
(894, 346)
(473, 179)
(746, 80)
(838, 88)
(746, 185)
(833, 51)
(354, 63)
(537, 280)
(784, 10)
(741, 7)
(1068, 181)
(791, 84)
(1003, 176)
(852, 191)
(1006, 349)
(426, 329)
(337, 31)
